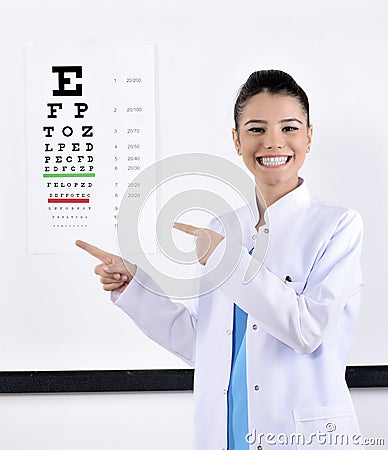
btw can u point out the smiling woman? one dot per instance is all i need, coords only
(272, 131)
(269, 353)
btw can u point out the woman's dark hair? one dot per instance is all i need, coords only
(274, 82)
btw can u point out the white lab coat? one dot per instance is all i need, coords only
(298, 333)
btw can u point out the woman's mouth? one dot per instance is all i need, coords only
(273, 161)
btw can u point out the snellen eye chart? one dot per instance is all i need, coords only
(90, 126)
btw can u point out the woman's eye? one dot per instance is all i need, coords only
(256, 130)
(289, 128)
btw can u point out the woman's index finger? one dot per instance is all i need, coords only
(103, 256)
(186, 228)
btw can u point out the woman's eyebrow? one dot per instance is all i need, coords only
(255, 121)
(290, 119)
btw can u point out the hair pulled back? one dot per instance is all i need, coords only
(275, 82)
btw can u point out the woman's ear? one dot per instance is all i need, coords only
(309, 137)
(236, 140)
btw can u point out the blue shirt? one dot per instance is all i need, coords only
(237, 392)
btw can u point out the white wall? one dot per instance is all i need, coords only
(52, 314)
(205, 50)
(372, 409)
(97, 421)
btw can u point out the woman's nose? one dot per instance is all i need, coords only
(273, 140)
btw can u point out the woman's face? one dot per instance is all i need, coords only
(273, 140)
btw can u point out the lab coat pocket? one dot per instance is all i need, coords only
(333, 427)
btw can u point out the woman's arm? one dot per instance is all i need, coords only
(300, 320)
(170, 324)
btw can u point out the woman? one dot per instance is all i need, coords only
(270, 354)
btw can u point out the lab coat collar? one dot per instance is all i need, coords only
(249, 214)
(294, 199)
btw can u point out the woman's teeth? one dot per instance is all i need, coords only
(273, 161)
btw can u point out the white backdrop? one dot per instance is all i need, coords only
(53, 315)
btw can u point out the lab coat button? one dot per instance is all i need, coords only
(266, 230)
(257, 387)
(254, 326)
(225, 391)
(229, 332)
(254, 237)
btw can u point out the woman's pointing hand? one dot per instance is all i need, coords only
(113, 271)
(206, 242)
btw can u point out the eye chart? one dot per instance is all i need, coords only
(90, 116)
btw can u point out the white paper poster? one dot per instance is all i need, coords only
(90, 114)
